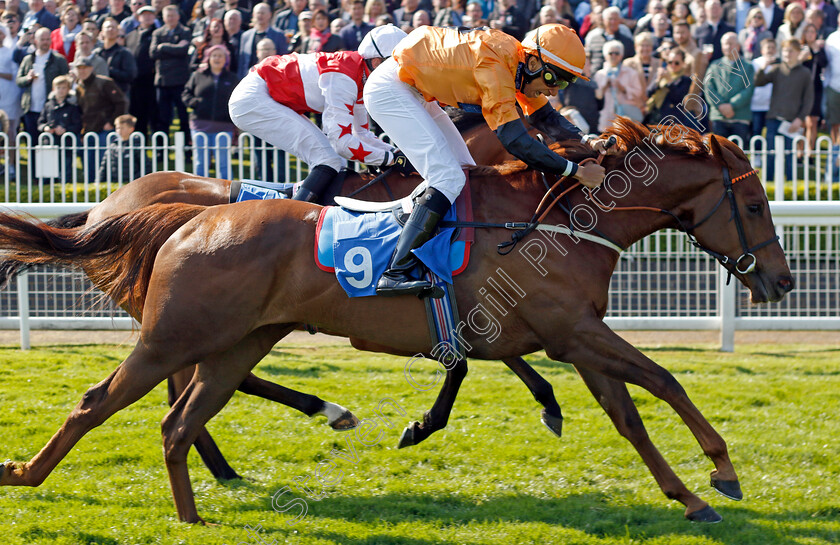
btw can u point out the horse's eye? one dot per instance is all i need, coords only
(756, 209)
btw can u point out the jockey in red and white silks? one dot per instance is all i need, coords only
(273, 100)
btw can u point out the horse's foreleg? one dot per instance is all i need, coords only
(214, 382)
(338, 417)
(542, 391)
(131, 380)
(204, 443)
(597, 348)
(436, 418)
(617, 403)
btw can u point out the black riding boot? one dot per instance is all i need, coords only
(314, 185)
(419, 228)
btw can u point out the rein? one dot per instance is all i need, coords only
(381, 177)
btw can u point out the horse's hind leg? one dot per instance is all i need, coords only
(542, 391)
(436, 418)
(204, 444)
(132, 379)
(338, 417)
(214, 382)
(617, 403)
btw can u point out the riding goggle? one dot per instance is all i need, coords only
(557, 77)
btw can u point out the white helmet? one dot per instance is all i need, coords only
(380, 42)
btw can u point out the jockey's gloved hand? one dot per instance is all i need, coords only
(403, 165)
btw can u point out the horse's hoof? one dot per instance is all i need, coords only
(707, 514)
(553, 423)
(729, 489)
(347, 421)
(407, 437)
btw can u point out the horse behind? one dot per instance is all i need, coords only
(232, 319)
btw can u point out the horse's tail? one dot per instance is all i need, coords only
(10, 268)
(117, 253)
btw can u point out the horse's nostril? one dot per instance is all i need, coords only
(785, 283)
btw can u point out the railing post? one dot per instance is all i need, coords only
(726, 307)
(779, 161)
(23, 309)
(180, 152)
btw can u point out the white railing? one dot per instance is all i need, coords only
(660, 283)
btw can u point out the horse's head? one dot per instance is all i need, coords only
(731, 221)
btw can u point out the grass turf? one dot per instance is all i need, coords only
(495, 475)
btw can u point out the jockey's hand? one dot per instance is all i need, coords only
(403, 165)
(600, 145)
(590, 174)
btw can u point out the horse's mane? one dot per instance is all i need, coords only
(629, 135)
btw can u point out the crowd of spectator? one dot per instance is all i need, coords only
(78, 66)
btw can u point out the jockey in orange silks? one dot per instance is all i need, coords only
(273, 100)
(481, 70)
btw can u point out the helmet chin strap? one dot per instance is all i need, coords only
(378, 51)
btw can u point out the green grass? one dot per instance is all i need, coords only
(495, 475)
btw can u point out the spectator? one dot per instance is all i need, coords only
(99, 9)
(632, 10)
(754, 33)
(210, 8)
(214, 34)
(731, 81)
(286, 20)
(611, 30)
(472, 15)
(832, 90)
(138, 42)
(12, 22)
(61, 116)
(9, 91)
(736, 13)
(404, 14)
(421, 18)
(305, 22)
(669, 91)
(643, 62)
(122, 68)
(710, 33)
(233, 28)
(793, 26)
(680, 12)
(619, 86)
(813, 58)
(169, 49)
(791, 101)
(158, 6)
(829, 12)
(101, 100)
(92, 27)
(547, 16)
(207, 93)
(373, 9)
(661, 26)
(357, 29)
(773, 14)
(320, 39)
(684, 41)
(816, 17)
(37, 14)
(132, 22)
(511, 20)
(63, 39)
(85, 48)
(123, 161)
(117, 10)
(233, 5)
(445, 14)
(564, 13)
(761, 95)
(35, 76)
(260, 29)
(265, 49)
(335, 28)
(581, 95)
(645, 23)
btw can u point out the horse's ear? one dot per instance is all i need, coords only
(714, 147)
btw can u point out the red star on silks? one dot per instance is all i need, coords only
(351, 107)
(359, 153)
(366, 126)
(345, 129)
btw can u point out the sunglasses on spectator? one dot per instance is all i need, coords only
(674, 63)
(614, 53)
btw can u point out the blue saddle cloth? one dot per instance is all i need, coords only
(252, 190)
(358, 246)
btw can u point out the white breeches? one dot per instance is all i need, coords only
(420, 129)
(253, 110)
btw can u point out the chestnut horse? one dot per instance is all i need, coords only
(232, 319)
